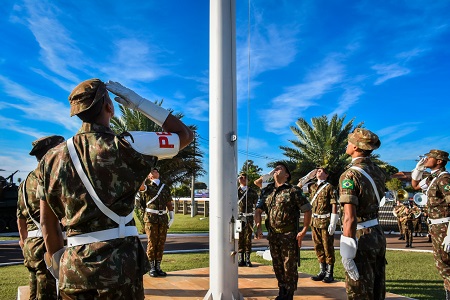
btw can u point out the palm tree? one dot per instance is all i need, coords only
(322, 144)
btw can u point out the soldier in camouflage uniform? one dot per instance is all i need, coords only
(324, 219)
(42, 283)
(247, 199)
(282, 203)
(90, 182)
(437, 187)
(363, 244)
(155, 199)
(407, 216)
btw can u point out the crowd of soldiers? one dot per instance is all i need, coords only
(86, 189)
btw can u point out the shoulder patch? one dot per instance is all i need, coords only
(348, 184)
(447, 187)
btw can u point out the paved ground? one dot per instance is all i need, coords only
(10, 252)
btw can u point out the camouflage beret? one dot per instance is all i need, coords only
(85, 95)
(438, 154)
(46, 143)
(364, 139)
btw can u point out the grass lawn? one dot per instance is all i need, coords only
(410, 274)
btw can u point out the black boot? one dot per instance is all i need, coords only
(281, 293)
(289, 295)
(329, 274)
(153, 271)
(158, 269)
(248, 263)
(321, 275)
(429, 238)
(402, 237)
(241, 261)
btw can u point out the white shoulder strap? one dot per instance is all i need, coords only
(434, 179)
(112, 215)
(317, 193)
(243, 196)
(370, 179)
(24, 193)
(157, 194)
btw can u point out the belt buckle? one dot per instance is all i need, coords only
(160, 212)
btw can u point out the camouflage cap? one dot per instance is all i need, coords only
(287, 169)
(85, 95)
(45, 143)
(438, 154)
(364, 139)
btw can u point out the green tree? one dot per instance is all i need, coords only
(200, 186)
(393, 184)
(322, 144)
(253, 172)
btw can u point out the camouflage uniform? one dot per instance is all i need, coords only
(246, 202)
(42, 283)
(323, 241)
(407, 219)
(282, 206)
(438, 207)
(156, 225)
(355, 188)
(112, 268)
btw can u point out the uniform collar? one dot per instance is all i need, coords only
(93, 127)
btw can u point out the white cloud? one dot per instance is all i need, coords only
(347, 100)
(390, 71)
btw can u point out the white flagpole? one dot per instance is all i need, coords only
(223, 276)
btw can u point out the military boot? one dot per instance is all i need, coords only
(241, 261)
(158, 269)
(329, 274)
(289, 295)
(321, 275)
(248, 263)
(153, 271)
(281, 293)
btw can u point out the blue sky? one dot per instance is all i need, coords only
(384, 63)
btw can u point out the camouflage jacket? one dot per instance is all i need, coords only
(322, 203)
(282, 206)
(438, 195)
(33, 210)
(247, 202)
(355, 188)
(160, 203)
(116, 172)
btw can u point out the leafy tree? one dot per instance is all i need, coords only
(393, 184)
(176, 170)
(181, 191)
(200, 186)
(253, 172)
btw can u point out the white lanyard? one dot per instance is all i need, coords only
(317, 193)
(156, 196)
(370, 179)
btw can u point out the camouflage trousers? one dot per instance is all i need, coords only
(125, 291)
(156, 236)
(284, 251)
(245, 236)
(371, 263)
(324, 245)
(441, 258)
(408, 230)
(42, 283)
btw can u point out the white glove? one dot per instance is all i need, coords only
(333, 221)
(54, 262)
(308, 177)
(171, 217)
(266, 177)
(130, 99)
(446, 242)
(418, 170)
(348, 249)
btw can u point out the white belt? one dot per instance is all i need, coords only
(154, 211)
(100, 236)
(321, 216)
(367, 224)
(34, 233)
(439, 221)
(247, 214)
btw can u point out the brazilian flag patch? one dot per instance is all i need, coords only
(447, 187)
(348, 184)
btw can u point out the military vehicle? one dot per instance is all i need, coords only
(8, 203)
